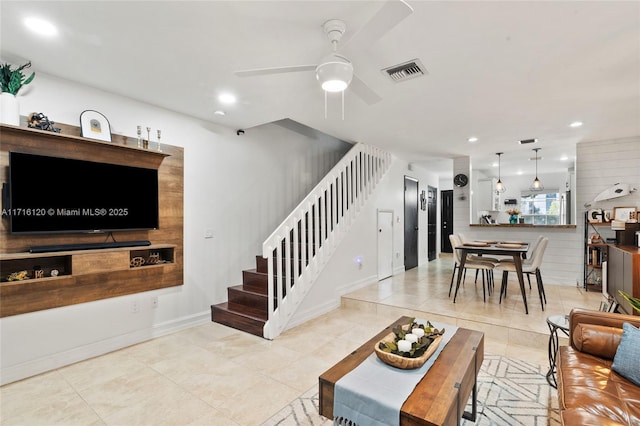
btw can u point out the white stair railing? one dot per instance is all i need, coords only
(298, 249)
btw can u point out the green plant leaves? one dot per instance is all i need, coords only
(12, 80)
(634, 301)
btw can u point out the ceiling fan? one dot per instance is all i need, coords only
(335, 72)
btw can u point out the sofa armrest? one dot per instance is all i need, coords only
(579, 316)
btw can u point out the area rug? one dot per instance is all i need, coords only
(510, 392)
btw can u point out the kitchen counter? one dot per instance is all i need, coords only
(520, 225)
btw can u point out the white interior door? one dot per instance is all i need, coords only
(385, 244)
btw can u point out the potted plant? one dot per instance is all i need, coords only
(11, 81)
(634, 301)
(513, 215)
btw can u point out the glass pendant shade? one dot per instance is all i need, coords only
(537, 183)
(500, 188)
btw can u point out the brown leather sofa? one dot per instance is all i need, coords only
(589, 392)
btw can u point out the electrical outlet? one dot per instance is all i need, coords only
(154, 302)
(208, 233)
(135, 307)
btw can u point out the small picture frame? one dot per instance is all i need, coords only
(626, 214)
(94, 125)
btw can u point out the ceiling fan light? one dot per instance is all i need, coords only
(334, 85)
(334, 73)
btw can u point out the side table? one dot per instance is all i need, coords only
(555, 323)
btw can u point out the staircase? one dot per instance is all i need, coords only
(247, 308)
(295, 253)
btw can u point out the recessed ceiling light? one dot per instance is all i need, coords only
(220, 112)
(576, 124)
(564, 158)
(494, 164)
(40, 26)
(227, 98)
(519, 172)
(473, 139)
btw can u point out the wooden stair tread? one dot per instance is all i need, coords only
(247, 322)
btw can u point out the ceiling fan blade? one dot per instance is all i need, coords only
(363, 91)
(389, 15)
(275, 70)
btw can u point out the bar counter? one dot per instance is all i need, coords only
(520, 225)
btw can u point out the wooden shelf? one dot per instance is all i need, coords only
(89, 275)
(119, 141)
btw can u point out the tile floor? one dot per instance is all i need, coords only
(214, 375)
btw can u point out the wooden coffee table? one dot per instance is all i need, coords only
(441, 395)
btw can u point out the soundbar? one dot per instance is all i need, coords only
(88, 246)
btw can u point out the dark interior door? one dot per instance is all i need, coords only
(446, 220)
(432, 217)
(410, 223)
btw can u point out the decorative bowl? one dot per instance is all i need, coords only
(403, 362)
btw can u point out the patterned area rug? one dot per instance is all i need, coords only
(510, 392)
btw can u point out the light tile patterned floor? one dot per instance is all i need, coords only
(215, 375)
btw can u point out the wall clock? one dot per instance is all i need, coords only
(460, 180)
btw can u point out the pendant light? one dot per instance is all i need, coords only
(500, 188)
(537, 184)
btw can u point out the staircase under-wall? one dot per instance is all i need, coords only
(296, 252)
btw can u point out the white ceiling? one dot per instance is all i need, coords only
(501, 71)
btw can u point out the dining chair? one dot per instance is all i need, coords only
(528, 268)
(477, 258)
(485, 267)
(527, 260)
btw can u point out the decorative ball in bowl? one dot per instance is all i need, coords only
(410, 345)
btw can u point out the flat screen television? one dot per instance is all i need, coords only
(56, 195)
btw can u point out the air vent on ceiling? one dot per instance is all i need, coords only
(405, 71)
(526, 141)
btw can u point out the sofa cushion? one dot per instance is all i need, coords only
(627, 359)
(597, 340)
(588, 388)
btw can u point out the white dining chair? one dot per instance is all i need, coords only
(532, 267)
(485, 267)
(529, 257)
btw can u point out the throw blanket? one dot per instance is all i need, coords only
(373, 392)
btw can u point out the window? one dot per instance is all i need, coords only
(541, 208)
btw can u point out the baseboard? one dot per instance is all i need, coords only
(318, 310)
(356, 285)
(301, 317)
(82, 353)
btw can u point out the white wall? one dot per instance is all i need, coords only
(239, 186)
(599, 165)
(342, 274)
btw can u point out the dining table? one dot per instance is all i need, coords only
(516, 249)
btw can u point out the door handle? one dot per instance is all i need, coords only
(379, 230)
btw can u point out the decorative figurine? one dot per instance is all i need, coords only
(38, 120)
(139, 136)
(159, 149)
(146, 143)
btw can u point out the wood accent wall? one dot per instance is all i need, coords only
(100, 282)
